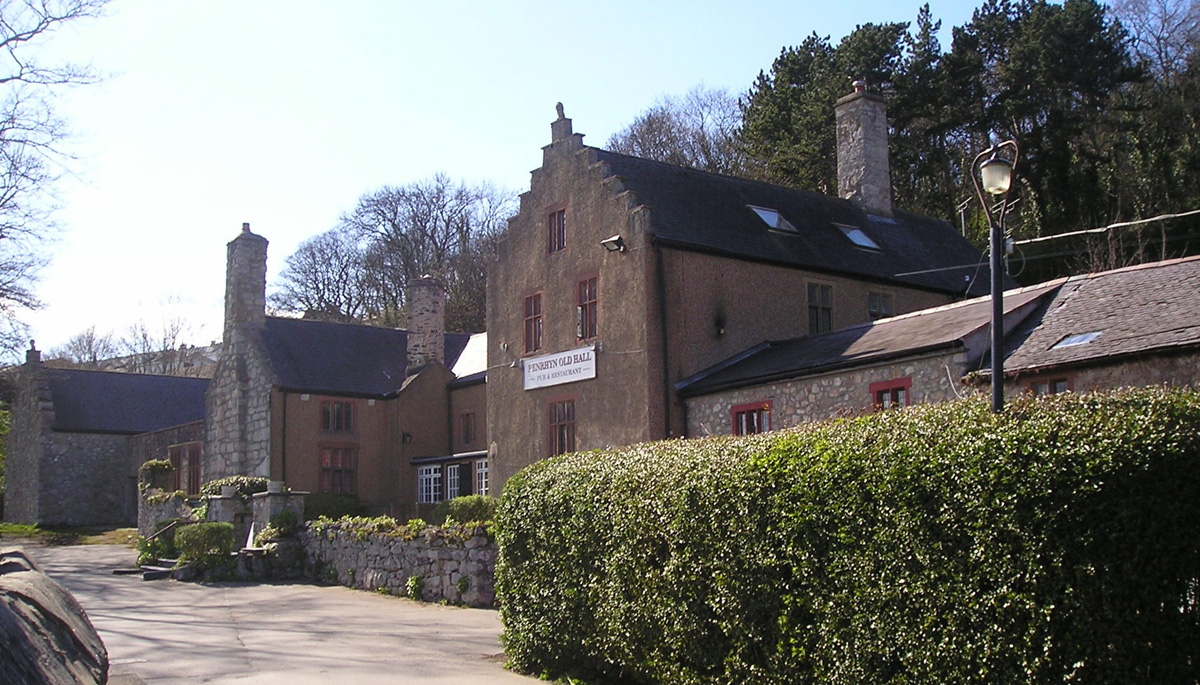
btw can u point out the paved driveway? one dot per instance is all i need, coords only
(170, 632)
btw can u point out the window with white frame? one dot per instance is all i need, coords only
(481, 477)
(452, 482)
(429, 484)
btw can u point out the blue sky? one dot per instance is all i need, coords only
(282, 113)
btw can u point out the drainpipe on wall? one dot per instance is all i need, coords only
(662, 324)
(283, 442)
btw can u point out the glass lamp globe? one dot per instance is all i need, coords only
(996, 175)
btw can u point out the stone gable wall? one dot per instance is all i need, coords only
(85, 480)
(458, 571)
(29, 423)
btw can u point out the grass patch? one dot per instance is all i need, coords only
(67, 535)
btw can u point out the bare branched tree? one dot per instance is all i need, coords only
(31, 153)
(1164, 33)
(146, 351)
(326, 278)
(435, 227)
(697, 130)
(86, 349)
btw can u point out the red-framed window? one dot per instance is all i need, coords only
(1049, 386)
(751, 418)
(891, 394)
(556, 230)
(533, 323)
(562, 426)
(587, 309)
(337, 417)
(339, 466)
(820, 308)
(466, 428)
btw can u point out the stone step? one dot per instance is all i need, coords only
(150, 572)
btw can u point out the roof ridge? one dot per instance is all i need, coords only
(1138, 267)
(122, 373)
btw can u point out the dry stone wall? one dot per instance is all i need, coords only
(451, 568)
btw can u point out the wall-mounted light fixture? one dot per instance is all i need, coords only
(614, 244)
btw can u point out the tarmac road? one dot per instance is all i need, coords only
(167, 632)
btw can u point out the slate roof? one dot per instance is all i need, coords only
(927, 330)
(1136, 310)
(708, 212)
(123, 403)
(353, 360)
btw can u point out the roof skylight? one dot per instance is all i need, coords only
(859, 238)
(1073, 340)
(773, 219)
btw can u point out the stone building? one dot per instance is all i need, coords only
(621, 277)
(73, 447)
(337, 407)
(1138, 326)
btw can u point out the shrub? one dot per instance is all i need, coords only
(468, 508)
(332, 505)
(208, 545)
(245, 486)
(153, 473)
(282, 525)
(1054, 542)
(162, 546)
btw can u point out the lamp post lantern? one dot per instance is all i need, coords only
(994, 175)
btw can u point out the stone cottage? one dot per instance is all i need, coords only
(1137, 326)
(74, 446)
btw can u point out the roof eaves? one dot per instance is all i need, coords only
(721, 366)
(870, 278)
(823, 368)
(985, 372)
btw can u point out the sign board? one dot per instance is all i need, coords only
(561, 367)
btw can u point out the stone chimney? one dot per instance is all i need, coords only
(426, 323)
(863, 173)
(245, 282)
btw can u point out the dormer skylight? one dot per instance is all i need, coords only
(773, 219)
(856, 236)
(1073, 340)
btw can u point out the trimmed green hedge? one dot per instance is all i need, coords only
(209, 545)
(465, 509)
(1059, 541)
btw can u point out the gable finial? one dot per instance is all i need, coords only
(559, 108)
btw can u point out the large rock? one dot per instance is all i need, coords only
(45, 636)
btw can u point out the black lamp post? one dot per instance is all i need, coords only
(996, 174)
